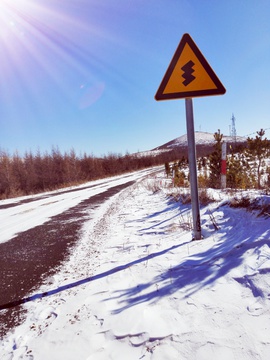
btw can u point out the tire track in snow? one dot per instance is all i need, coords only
(36, 253)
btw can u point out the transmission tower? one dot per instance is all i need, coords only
(233, 129)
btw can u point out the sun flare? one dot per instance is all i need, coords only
(40, 42)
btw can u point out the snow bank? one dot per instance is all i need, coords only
(137, 287)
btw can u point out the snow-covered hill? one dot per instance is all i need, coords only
(201, 138)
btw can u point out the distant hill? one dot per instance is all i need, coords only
(201, 138)
(204, 144)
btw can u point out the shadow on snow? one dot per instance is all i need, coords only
(203, 268)
(87, 280)
(192, 274)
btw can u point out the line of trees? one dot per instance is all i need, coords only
(247, 166)
(34, 173)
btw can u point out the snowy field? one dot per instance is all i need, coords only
(137, 287)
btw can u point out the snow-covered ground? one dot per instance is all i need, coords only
(40, 208)
(137, 287)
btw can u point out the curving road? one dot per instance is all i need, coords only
(38, 233)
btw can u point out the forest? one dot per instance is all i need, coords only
(35, 173)
(248, 166)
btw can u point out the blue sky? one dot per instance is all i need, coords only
(82, 74)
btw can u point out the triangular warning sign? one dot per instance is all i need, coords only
(189, 74)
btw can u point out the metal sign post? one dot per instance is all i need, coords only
(193, 170)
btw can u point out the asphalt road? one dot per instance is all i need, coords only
(35, 254)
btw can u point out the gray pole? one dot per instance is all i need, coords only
(223, 165)
(193, 170)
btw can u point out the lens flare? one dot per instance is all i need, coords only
(91, 94)
(41, 48)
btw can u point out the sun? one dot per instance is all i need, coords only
(32, 38)
(15, 20)
(47, 47)
(6, 18)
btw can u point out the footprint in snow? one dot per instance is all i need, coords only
(48, 313)
(255, 309)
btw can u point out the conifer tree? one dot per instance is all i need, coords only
(167, 169)
(238, 172)
(179, 176)
(215, 162)
(256, 152)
